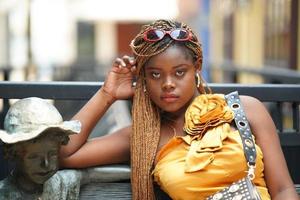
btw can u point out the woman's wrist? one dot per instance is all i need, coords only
(107, 97)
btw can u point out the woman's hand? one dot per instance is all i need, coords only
(118, 83)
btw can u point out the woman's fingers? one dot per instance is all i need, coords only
(126, 62)
(130, 63)
(129, 60)
(133, 69)
(119, 63)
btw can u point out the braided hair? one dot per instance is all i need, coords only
(146, 115)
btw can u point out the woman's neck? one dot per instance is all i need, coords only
(175, 122)
(176, 119)
(177, 116)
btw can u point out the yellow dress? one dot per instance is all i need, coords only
(192, 167)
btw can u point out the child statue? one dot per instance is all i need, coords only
(34, 132)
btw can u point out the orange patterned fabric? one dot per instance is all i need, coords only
(196, 166)
(205, 112)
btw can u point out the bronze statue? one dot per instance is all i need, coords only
(34, 132)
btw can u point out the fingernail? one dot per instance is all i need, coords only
(133, 68)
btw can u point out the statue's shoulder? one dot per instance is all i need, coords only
(8, 190)
(6, 184)
(63, 185)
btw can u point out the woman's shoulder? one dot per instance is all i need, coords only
(249, 103)
(252, 106)
(250, 100)
(258, 116)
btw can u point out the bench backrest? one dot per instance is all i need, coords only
(284, 100)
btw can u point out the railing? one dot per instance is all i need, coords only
(270, 74)
(277, 95)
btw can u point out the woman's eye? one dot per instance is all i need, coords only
(155, 74)
(179, 73)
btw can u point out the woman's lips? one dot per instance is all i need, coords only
(169, 98)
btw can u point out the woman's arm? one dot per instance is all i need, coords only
(276, 173)
(110, 148)
(88, 116)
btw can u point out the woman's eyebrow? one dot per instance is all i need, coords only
(159, 68)
(151, 68)
(181, 65)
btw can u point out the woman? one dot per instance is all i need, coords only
(166, 66)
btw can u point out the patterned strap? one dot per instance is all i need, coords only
(242, 124)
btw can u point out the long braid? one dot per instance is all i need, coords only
(146, 115)
(146, 132)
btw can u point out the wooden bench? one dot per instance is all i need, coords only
(281, 99)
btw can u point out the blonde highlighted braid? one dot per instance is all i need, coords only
(146, 115)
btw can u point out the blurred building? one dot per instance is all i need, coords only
(77, 40)
(259, 39)
(54, 35)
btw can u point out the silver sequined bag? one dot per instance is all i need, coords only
(242, 189)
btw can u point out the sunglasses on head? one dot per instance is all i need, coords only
(177, 34)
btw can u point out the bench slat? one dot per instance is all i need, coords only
(106, 191)
(296, 117)
(70, 90)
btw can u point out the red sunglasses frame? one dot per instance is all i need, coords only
(189, 37)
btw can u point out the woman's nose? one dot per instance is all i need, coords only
(168, 83)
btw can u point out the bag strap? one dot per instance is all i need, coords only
(234, 102)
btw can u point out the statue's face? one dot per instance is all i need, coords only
(39, 160)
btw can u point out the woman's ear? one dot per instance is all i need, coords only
(198, 65)
(198, 71)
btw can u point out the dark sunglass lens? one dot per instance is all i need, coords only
(155, 35)
(179, 34)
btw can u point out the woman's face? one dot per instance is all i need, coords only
(39, 160)
(170, 79)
